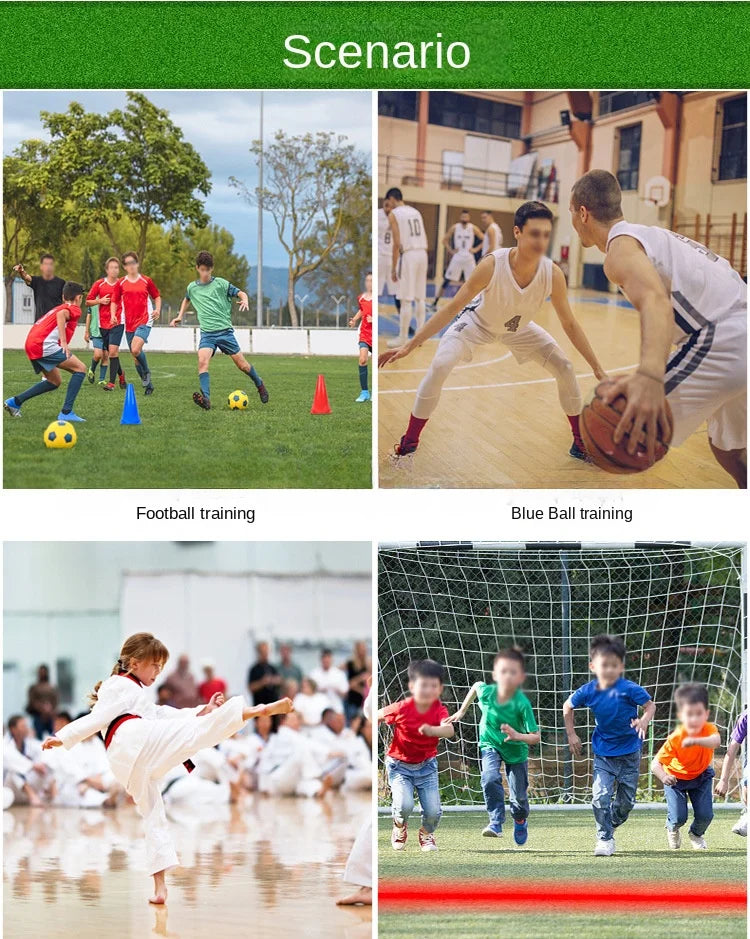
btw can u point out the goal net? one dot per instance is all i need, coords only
(678, 608)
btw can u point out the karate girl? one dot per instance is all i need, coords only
(144, 740)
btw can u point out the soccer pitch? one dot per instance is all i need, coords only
(559, 850)
(279, 445)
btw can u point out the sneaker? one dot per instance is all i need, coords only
(263, 393)
(741, 827)
(72, 417)
(12, 408)
(202, 401)
(106, 386)
(103, 383)
(91, 377)
(363, 396)
(493, 831)
(698, 842)
(123, 383)
(604, 848)
(674, 839)
(427, 840)
(578, 450)
(402, 462)
(148, 389)
(398, 837)
(520, 832)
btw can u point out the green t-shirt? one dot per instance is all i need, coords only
(212, 303)
(517, 712)
(94, 330)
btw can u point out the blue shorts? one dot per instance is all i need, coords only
(143, 332)
(49, 362)
(365, 345)
(97, 342)
(223, 339)
(112, 337)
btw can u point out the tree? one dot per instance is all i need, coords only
(312, 184)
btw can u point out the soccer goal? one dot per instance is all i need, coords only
(679, 608)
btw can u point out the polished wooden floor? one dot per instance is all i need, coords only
(499, 424)
(268, 869)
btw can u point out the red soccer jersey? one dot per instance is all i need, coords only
(365, 327)
(102, 288)
(136, 296)
(44, 336)
(408, 745)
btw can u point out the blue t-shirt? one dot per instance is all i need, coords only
(614, 708)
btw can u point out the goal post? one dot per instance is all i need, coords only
(680, 609)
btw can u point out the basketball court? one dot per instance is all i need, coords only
(500, 425)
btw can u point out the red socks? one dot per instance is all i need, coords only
(573, 420)
(410, 440)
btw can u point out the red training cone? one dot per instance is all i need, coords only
(320, 403)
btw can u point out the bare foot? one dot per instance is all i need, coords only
(362, 897)
(160, 889)
(326, 784)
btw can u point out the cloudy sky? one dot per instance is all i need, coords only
(220, 125)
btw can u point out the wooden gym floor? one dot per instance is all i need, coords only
(499, 424)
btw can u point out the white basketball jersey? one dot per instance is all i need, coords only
(492, 227)
(463, 238)
(385, 241)
(703, 287)
(503, 307)
(410, 228)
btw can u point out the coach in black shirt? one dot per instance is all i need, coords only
(46, 287)
(263, 680)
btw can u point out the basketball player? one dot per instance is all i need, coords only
(493, 234)
(459, 242)
(496, 304)
(688, 297)
(386, 286)
(408, 261)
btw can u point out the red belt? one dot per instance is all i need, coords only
(119, 721)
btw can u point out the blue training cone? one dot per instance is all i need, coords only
(130, 413)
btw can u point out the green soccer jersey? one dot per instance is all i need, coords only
(94, 330)
(517, 712)
(212, 303)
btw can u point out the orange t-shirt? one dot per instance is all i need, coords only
(686, 762)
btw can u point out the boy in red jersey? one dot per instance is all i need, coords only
(110, 324)
(411, 762)
(365, 336)
(48, 352)
(136, 291)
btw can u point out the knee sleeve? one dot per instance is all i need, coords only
(448, 355)
(568, 390)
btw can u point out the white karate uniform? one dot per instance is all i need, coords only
(18, 768)
(310, 707)
(358, 768)
(359, 864)
(143, 751)
(289, 765)
(333, 683)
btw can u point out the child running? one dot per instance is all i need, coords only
(364, 318)
(411, 762)
(47, 348)
(617, 738)
(739, 736)
(683, 765)
(506, 729)
(211, 298)
(145, 741)
(139, 298)
(111, 327)
(100, 356)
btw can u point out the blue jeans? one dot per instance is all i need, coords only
(700, 793)
(517, 775)
(611, 808)
(403, 779)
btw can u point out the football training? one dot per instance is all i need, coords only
(562, 739)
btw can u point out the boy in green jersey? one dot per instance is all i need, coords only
(506, 729)
(211, 298)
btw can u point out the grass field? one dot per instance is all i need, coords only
(559, 850)
(178, 445)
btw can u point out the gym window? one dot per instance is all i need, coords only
(401, 104)
(731, 162)
(629, 156)
(611, 101)
(476, 115)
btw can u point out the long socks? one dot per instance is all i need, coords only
(143, 371)
(257, 380)
(74, 386)
(114, 368)
(102, 372)
(40, 388)
(363, 377)
(410, 440)
(205, 384)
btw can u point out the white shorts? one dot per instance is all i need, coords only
(706, 380)
(386, 286)
(530, 342)
(412, 275)
(460, 266)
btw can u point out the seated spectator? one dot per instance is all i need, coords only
(333, 737)
(331, 681)
(210, 684)
(24, 771)
(165, 695)
(309, 703)
(291, 764)
(84, 778)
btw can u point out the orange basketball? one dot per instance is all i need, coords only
(598, 423)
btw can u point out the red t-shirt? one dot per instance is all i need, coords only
(136, 296)
(209, 688)
(365, 326)
(102, 288)
(44, 336)
(408, 744)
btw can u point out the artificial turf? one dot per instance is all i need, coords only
(560, 849)
(178, 445)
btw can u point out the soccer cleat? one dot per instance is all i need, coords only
(202, 401)
(492, 831)
(398, 837)
(577, 450)
(741, 827)
(148, 389)
(698, 842)
(427, 840)
(72, 417)
(674, 839)
(520, 832)
(123, 383)
(90, 376)
(263, 393)
(363, 396)
(106, 386)
(12, 408)
(604, 848)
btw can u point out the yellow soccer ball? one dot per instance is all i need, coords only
(60, 435)
(238, 401)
